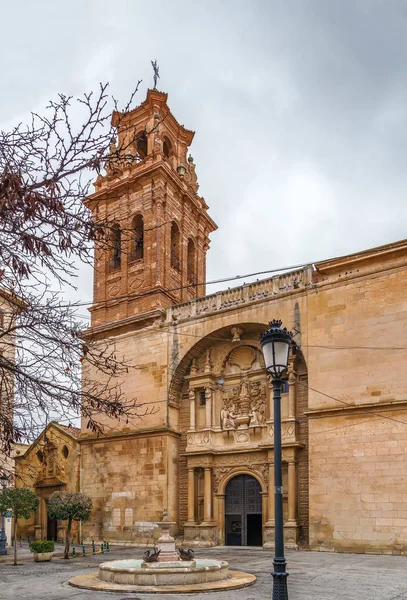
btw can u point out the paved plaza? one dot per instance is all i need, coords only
(313, 575)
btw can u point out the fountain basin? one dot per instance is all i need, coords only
(139, 573)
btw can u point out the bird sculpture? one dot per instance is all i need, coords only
(186, 554)
(151, 556)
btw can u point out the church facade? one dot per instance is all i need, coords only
(203, 447)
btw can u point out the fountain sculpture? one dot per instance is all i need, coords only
(164, 570)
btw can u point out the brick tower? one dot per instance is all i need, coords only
(159, 224)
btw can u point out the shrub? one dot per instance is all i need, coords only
(22, 503)
(40, 547)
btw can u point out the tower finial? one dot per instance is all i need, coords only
(156, 70)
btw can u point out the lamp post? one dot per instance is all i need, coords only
(275, 343)
(3, 536)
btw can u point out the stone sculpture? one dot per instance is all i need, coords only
(150, 556)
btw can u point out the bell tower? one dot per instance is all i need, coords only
(159, 226)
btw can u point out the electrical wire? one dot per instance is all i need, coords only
(254, 274)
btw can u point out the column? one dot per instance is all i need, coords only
(292, 491)
(207, 494)
(291, 389)
(271, 494)
(191, 495)
(192, 422)
(208, 407)
(221, 519)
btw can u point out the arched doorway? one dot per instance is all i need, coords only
(243, 514)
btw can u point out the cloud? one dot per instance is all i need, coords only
(298, 107)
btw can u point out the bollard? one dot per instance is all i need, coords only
(93, 546)
(83, 550)
(28, 539)
(73, 552)
(21, 542)
(101, 549)
(107, 547)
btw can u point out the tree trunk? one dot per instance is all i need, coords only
(15, 539)
(68, 537)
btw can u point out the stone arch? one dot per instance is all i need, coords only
(175, 250)
(222, 334)
(234, 472)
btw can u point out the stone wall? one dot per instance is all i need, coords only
(358, 482)
(347, 322)
(302, 456)
(183, 471)
(357, 381)
(128, 479)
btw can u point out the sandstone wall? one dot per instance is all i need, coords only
(130, 480)
(358, 475)
(358, 483)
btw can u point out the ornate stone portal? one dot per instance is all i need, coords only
(231, 433)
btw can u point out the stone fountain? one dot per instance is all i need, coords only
(164, 571)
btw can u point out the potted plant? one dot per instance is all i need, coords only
(43, 551)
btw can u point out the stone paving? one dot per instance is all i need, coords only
(313, 575)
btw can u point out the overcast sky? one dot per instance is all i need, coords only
(299, 108)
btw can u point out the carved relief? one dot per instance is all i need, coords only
(244, 405)
(52, 470)
(218, 474)
(199, 439)
(287, 429)
(136, 283)
(243, 357)
(236, 334)
(250, 463)
(113, 290)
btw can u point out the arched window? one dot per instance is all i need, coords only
(137, 248)
(141, 147)
(116, 247)
(167, 147)
(191, 262)
(175, 247)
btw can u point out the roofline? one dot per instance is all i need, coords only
(338, 262)
(51, 424)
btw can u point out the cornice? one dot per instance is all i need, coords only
(385, 405)
(152, 315)
(144, 171)
(360, 258)
(154, 97)
(126, 435)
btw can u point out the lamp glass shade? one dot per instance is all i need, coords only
(275, 354)
(275, 344)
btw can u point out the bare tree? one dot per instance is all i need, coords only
(46, 168)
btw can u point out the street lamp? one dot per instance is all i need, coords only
(275, 344)
(3, 536)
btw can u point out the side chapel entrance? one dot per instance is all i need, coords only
(243, 514)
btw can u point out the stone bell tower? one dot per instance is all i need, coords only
(159, 225)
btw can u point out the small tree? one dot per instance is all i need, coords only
(22, 503)
(69, 506)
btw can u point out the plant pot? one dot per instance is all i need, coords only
(43, 556)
